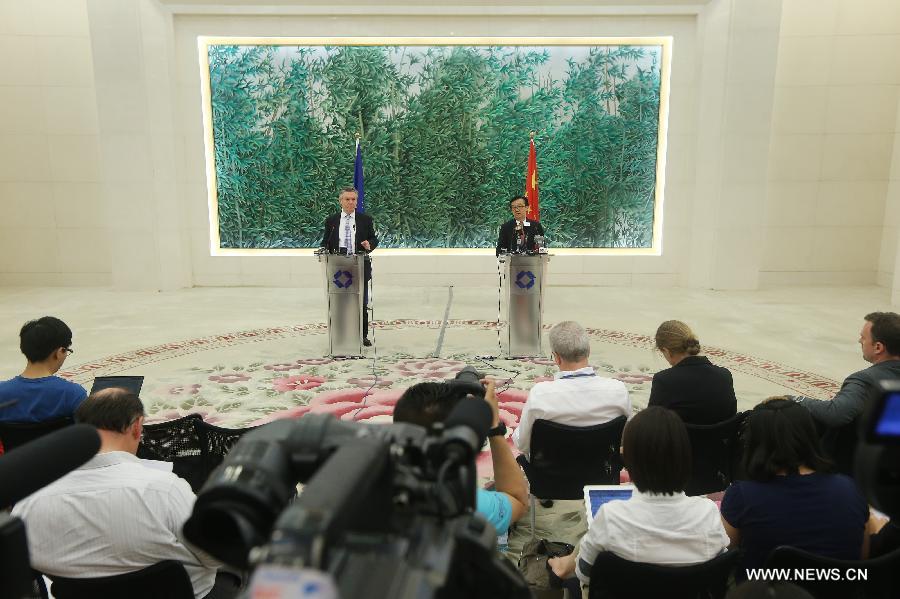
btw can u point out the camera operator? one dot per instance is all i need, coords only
(428, 403)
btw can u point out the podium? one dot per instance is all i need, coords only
(344, 280)
(522, 302)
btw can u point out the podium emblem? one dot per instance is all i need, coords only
(525, 279)
(343, 279)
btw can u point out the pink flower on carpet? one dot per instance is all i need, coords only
(541, 361)
(367, 381)
(232, 377)
(300, 382)
(346, 404)
(510, 404)
(429, 368)
(184, 390)
(314, 361)
(543, 379)
(283, 367)
(633, 378)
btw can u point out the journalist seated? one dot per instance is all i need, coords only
(428, 403)
(659, 524)
(37, 395)
(789, 497)
(576, 396)
(116, 514)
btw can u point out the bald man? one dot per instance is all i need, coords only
(131, 514)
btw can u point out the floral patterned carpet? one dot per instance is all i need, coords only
(247, 378)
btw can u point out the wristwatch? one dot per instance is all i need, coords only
(498, 431)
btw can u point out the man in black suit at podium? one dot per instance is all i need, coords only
(517, 234)
(352, 232)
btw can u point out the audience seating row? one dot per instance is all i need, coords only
(566, 458)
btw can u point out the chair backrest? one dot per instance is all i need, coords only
(566, 458)
(715, 451)
(176, 441)
(14, 434)
(840, 444)
(166, 579)
(615, 578)
(877, 578)
(216, 442)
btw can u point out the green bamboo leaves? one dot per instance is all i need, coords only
(445, 140)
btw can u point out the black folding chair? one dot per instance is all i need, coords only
(877, 578)
(215, 443)
(176, 441)
(166, 579)
(716, 452)
(566, 458)
(14, 434)
(615, 578)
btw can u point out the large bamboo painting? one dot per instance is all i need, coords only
(444, 131)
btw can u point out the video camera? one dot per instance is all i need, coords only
(386, 511)
(877, 467)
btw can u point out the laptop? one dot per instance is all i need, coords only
(597, 495)
(129, 383)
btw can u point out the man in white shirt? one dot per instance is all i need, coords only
(577, 396)
(114, 514)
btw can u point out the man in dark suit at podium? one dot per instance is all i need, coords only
(352, 232)
(517, 234)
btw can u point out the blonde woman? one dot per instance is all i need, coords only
(694, 388)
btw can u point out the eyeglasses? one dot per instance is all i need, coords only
(517, 206)
(69, 351)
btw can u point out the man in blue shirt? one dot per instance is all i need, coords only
(37, 395)
(427, 403)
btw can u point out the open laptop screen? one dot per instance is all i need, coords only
(597, 495)
(130, 383)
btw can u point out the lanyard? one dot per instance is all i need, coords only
(580, 374)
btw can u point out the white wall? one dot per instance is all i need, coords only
(834, 123)
(783, 123)
(53, 227)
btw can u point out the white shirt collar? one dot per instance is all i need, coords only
(585, 370)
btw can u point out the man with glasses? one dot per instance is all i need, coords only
(38, 395)
(518, 233)
(352, 232)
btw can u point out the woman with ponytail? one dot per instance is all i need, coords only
(694, 388)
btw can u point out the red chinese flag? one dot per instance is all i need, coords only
(531, 186)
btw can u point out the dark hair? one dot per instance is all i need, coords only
(111, 409)
(40, 338)
(426, 403)
(779, 434)
(755, 589)
(348, 190)
(657, 451)
(886, 330)
(677, 337)
(518, 198)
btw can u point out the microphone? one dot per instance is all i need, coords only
(466, 429)
(38, 463)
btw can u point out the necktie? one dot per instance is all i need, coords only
(347, 242)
